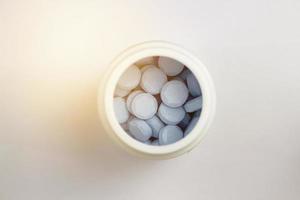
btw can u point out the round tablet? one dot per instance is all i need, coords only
(156, 124)
(170, 134)
(171, 116)
(139, 129)
(191, 126)
(120, 92)
(170, 66)
(193, 104)
(174, 93)
(130, 78)
(131, 97)
(193, 85)
(144, 106)
(145, 61)
(153, 79)
(120, 110)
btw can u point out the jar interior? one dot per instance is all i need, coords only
(158, 100)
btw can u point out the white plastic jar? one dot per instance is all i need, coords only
(109, 82)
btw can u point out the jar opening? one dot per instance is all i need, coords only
(157, 100)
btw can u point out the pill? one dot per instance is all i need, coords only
(193, 104)
(125, 124)
(144, 106)
(190, 98)
(191, 126)
(120, 92)
(144, 68)
(145, 61)
(155, 143)
(193, 85)
(169, 115)
(170, 66)
(185, 72)
(185, 122)
(131, 97)
(174, 93)
(156, 124)
(139, 129)
(153, 79)
(170, 134)
(130, 78)
(197, 113)
(120, 110)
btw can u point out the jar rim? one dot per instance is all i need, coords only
(116, 69)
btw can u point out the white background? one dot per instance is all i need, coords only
(53, 54)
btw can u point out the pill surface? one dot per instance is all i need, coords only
(169, 115)
(191, 126)
(139, 129)
(185, 122)
(148, 142)
(193, 85)
(124, 126)
(120, 110)
(155, 142)
(174, 93)
(170, 134)
(193, 104)
(145, 61)
(197, 113)
(153, 79)
(144, 68)
(144, 106)
(170, 66)
(156, 124)
(130, 78)
(131, 97)
(120, 92)
(185, 72)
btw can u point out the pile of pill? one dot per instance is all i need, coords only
(157, 100)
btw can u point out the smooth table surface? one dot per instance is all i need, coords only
(52, 57)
